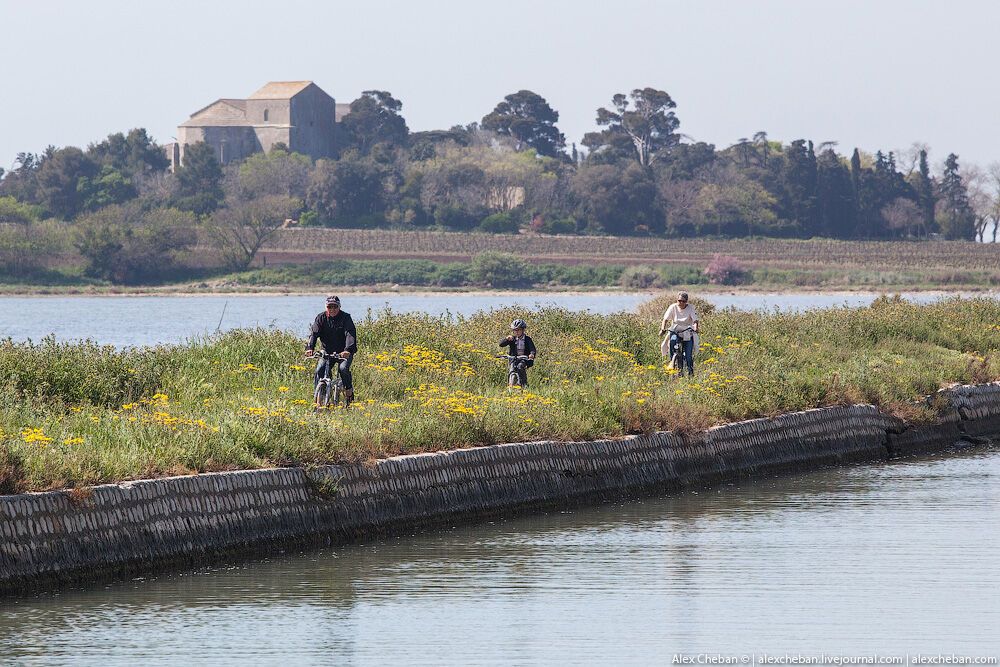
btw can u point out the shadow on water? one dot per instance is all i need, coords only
(890, 558)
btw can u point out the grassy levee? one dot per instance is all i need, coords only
(78, 414)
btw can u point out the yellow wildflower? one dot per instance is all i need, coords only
(35, 435)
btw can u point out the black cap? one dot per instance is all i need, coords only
(333, 300)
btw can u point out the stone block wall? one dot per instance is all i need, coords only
(47, 538)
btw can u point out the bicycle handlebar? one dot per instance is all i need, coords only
(323, 354)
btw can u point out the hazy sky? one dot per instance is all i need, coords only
(873, 73)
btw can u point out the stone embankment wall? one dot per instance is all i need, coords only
(48, 538)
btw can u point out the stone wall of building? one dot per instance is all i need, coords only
(48, 538)
(230, 142)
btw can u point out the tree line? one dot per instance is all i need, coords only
(511, 171)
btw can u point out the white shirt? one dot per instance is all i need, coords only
(681, 317)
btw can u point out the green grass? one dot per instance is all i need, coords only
(77, 414)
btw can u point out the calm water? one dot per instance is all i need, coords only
(894, 559)
(148, 320)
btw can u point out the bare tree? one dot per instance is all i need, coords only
(244, 226)
(903, 215)
(981, 197)
(994, 180)
(907, 159)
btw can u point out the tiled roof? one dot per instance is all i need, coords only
(208, 121)
(280, 90)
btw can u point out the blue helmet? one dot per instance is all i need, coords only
(518, 324)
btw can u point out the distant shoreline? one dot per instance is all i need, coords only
(299, 290)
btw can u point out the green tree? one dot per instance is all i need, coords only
(59, 176)
(125, 244)
(527, 118)
(14, 212)
(374, 119)
(199, 180)
(924, 188)
(277, 172)
(342, 191)
(836, 203)
(644, 119)
(799, 180)
(618, 201)
(21, 182)
(686, 161)
(954, 214)
(108, 187)
(133, 154)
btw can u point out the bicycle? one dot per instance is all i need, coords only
(328, 385)
(677, 339)
(516, 365)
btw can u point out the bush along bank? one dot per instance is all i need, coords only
(79, 414)
(506, 270)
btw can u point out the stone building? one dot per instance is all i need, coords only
(298, 114)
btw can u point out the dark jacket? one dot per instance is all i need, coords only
(529, 345)
(337, 333)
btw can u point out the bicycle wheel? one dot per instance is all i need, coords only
(337, 392)
(322, 395)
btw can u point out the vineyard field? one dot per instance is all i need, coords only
(299, 245)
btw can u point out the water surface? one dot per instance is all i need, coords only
(894, 559)
(150, 320)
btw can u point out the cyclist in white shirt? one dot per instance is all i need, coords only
(681, 316)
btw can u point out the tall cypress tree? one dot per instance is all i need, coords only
(957, 219)
(867, 198)
(800, 185)
(924, 188)
(837, 206)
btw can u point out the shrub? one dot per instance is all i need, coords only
(26, 249)
(125, 244)
(673, 274)
(451, 217)
(14, 212)
(726, 270)
(500, 223)
(639, 277)
(452, 275)
(560, 226)
(499, 269)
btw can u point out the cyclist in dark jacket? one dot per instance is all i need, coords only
(335, 329)
(520, 345)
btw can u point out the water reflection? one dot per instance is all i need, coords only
(892, 558)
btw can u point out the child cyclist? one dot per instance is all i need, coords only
(519, 344)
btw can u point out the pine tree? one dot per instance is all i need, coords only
(955, 217)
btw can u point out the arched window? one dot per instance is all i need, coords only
(265, 115)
